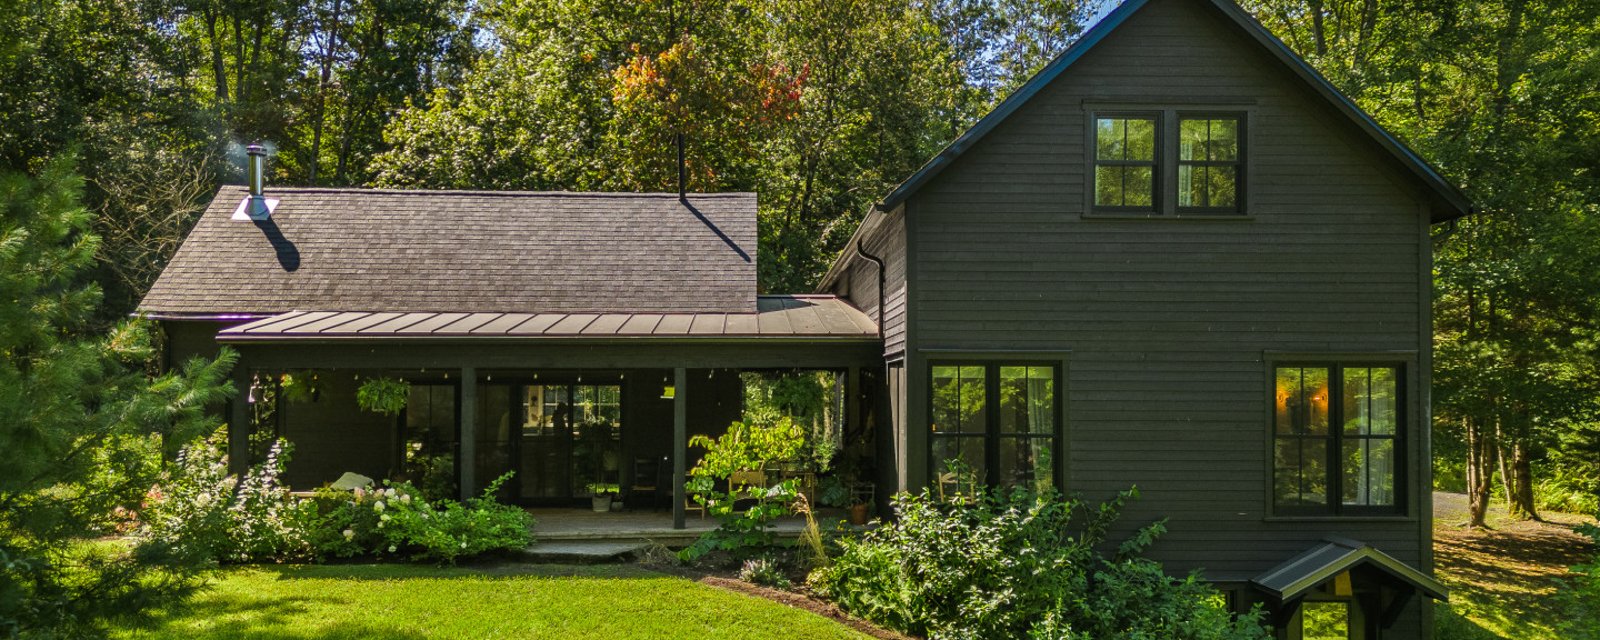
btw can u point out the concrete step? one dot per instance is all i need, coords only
(581, 551)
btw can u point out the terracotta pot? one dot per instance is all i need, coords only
(858, 514)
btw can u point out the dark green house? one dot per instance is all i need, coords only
(1177, 258)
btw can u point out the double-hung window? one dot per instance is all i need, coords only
(994, 423)
(1168, 162)
(1337, 443)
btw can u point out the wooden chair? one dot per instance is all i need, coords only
(645, 481)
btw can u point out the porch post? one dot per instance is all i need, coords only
(680, 444)
(468, 456)
(853, 420)
(239, 421)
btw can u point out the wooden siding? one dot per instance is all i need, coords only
(859, 282)
(1169, 322)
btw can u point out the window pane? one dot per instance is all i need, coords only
(958, 460)
(1325, 621)
(1138, 186)
(1192, 138)
(959, 397)
(1369, 471)
(1027, 400)
(1141, 138)
(1027, 462)
(1192, 185)
(1300, 471)
(1222, 186)
(1224, 141)
(1108, 186)
(1302, 397)
(1108, 137)
(1370, 401)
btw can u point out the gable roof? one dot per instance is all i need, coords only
(1314, 566)
(464, 251)
(1455, 202)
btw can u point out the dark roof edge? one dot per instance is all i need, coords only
(201, 316)
(1354, 554)
(456, 338)
(510, 194)
(1447, 192)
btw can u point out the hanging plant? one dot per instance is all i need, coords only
(383, 395)
(300, 386)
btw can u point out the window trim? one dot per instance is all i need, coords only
(1404, 508)
(1157, 186)
(1168, 112)
(991, 363)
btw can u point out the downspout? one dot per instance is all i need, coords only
(882, 312)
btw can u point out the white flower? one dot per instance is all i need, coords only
(377, 506)
(463, 544)
(406, 498)
(388, 492)
(348, 534)
(384, 517)
(391, 548)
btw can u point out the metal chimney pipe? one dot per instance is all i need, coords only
(258, 162)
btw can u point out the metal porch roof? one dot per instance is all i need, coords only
(820, 317)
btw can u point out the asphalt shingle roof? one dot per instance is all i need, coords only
(463, 251)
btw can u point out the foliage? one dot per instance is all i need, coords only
(744, 448)
(812, 399)
(766, 572)
(602, 489)
(387, 396)
(1580, 596)
(396, 521)
(209, 516)
(83, 426)
(1013, 564)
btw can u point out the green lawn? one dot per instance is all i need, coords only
(407, 602)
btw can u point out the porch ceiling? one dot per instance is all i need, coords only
(794, 317)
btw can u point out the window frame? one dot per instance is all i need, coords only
(992, 435)
(1157, 186)
(1240, 161)
(1168, 112)
(1334, 507)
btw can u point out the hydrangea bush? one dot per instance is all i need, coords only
(207, 514)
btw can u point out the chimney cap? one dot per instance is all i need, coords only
(255, 149)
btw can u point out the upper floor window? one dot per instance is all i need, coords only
(1336, 439)
(1125, 163)
(1208, 164)
(1168, 161)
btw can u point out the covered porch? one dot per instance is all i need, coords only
(606, 401)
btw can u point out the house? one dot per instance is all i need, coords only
(1177, 258)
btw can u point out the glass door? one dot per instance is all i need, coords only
(571, 438)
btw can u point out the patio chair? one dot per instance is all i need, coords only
(646, 480)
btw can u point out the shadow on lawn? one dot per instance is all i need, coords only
(275, 619)
(462, 571)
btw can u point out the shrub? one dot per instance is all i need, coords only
(396, 521)
(765, 572)
(205, 514)
(745, 447)
(1012, 564)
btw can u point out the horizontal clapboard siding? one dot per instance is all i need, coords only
(1168, 321)
(859, 284)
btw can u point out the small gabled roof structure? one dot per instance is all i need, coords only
(1455, 203)
(1299, 575)
(798, 317)
(399, 251)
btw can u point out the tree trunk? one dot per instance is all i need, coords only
(219, 71)
(1318, 34)
(322, 90)
(1480, 473)
(1519, 492)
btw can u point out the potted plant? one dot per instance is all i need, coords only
(601, 495)
(858, 511)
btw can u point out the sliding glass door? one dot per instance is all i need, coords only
(571, 439)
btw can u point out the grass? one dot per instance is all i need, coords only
(1502, 580)
(513, 601)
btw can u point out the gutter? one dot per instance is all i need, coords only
(882, 312)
